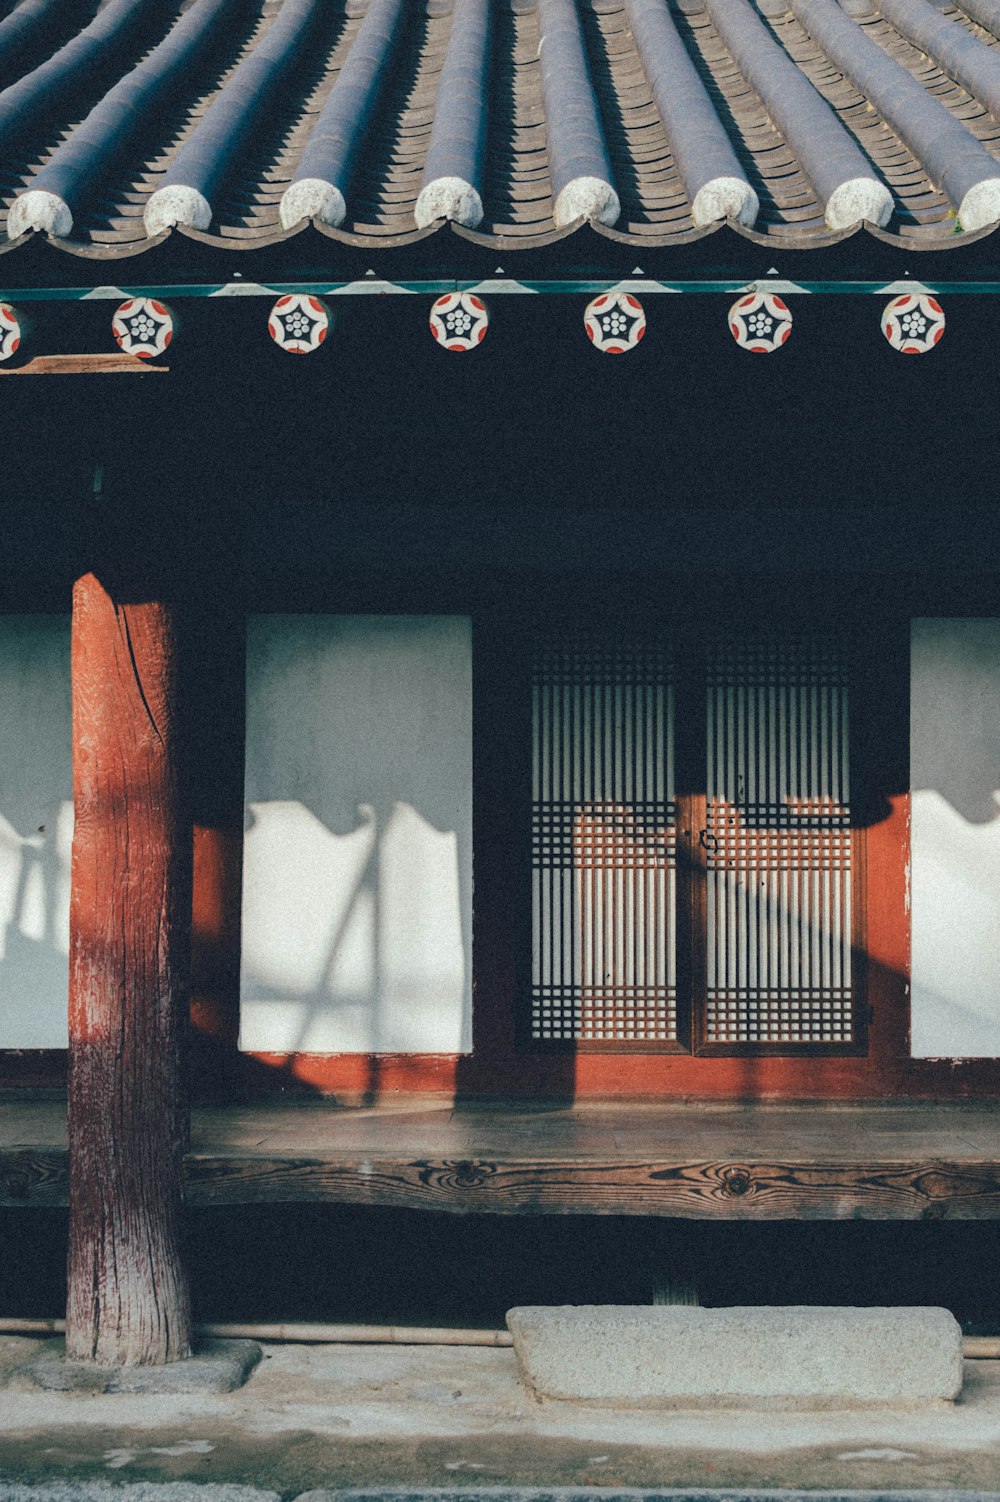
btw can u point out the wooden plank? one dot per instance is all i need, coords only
(789, 1163)
(721, 1190)
(101, 364)
(746, 1190)
(109, 364)
(35, 1178)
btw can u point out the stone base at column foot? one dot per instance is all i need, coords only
(216, 1366)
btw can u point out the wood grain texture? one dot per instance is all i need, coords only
(130, 930)
(110, 364)
(737, 1163)
(744, 1190)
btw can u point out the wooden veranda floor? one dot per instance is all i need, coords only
(811, 1161)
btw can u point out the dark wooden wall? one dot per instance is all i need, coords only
(835, 478)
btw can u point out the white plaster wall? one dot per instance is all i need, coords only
(357, 877)
(955, 837)
(36, 829)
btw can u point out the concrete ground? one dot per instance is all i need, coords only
(458, 1417)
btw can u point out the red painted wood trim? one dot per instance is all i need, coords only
(587, 1077)
(127, 1299)
(500, 1065)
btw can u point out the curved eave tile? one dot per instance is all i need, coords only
(227, 243)
(661, 242)
(106, 251)
(375, 242)
(549, 236)
(818, 240)
(23, 239)
(579, 229)
(947, 241)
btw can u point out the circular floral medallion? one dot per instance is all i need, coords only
(143, 327)
(760, 322)
(459, 321)
(913, 324)
(299, 323)
(10, 331)
(615, 322)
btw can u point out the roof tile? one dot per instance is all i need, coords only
(499, 106)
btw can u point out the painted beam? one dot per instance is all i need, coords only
(638, 286)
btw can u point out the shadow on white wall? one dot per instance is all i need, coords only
(361, 951)
(955, 837)
(36, 830)
(358, 851)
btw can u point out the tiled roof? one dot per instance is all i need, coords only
(239, 120)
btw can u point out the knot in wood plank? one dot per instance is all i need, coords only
(466, 1173)
(737, 1181)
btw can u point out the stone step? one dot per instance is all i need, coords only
(796, 1356)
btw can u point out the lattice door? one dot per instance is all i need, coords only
(778, 845)
(603, 842)
(720, 918)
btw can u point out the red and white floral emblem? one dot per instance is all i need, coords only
(760, 322)
(615, 322)
(142, 326)
(913, 324)
(10, 331)
(459, 321)
(299, 323)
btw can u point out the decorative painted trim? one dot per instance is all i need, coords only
(913, 325)
(459, 321)
(10, 331)
(498, 286)
(615, 322)
(299, 323)
(143, 326)
(760, 323)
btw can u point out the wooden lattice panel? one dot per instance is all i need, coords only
(778, 845)
(603, 842)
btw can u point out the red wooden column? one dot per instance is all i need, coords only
(130, 940)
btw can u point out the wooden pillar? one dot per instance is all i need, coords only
(130, 938)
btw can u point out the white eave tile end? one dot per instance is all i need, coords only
(38, 210)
